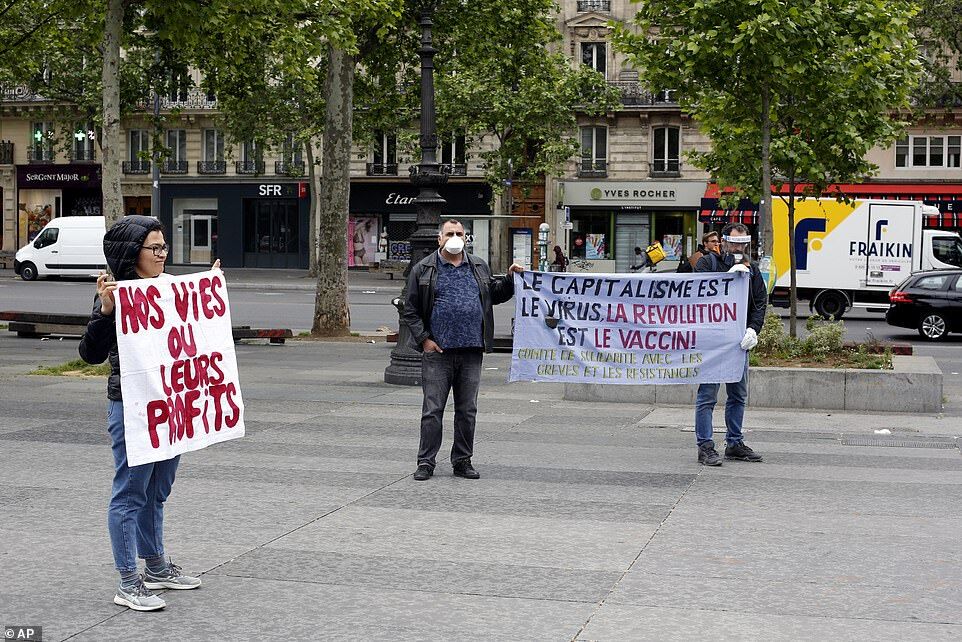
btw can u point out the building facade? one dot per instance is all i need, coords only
(630, 186)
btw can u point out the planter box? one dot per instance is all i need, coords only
(914, 385)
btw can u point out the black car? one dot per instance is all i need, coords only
(930, 302)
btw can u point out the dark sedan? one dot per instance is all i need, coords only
(930, 302)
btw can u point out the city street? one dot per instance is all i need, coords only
(285, 298)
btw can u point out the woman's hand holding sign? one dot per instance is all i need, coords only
(105, 290)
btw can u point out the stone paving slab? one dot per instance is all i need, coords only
(615, 622)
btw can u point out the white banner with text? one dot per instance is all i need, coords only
(629, 329)
(178, 370)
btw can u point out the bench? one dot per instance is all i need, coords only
(41, 324)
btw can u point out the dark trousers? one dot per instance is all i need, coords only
(440, 373)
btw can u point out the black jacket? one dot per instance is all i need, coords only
(122, 244)
(419, 301)
(757, 292)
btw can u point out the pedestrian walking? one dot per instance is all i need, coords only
(735, 248)
(135, 249)
(449, 311)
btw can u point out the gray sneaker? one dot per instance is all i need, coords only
(138, 598)
(171, 577)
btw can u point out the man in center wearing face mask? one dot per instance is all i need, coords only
(736, 245)
(448, 310)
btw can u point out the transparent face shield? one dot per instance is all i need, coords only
(736, 245)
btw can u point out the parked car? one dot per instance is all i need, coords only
(930, 302)
(67, 246)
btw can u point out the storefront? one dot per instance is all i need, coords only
(45, 192)
(383, 217)
(259, 224)
(609, 219)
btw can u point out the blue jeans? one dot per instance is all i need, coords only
(734, 409)
(135, 517)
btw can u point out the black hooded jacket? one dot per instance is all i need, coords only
(122, 244)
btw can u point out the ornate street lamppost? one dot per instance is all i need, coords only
(405, 368)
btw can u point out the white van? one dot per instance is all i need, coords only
(67, 246)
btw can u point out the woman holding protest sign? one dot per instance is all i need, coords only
(135, 249)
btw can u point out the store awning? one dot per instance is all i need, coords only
(947, 197)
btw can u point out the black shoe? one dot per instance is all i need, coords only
(423, 473)
(464, 469)
(741, 452)
(707, 455)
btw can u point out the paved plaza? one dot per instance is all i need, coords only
(589, 522)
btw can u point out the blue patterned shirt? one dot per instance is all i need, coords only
(456, 320)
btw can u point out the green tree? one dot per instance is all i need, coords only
(801, 90)
(938, 26)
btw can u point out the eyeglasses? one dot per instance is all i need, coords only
(158, 250)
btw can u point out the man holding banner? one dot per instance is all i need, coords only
(736, 243)
(449, 311)
(144, 464)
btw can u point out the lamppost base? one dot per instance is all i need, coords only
(403, 372)
(405, 367)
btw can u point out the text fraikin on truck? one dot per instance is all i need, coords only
(877, 248)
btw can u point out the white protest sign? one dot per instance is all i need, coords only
(178, 371)
(621, 329)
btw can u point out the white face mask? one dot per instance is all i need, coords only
(454, 245)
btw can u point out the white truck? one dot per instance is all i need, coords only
(853, 254)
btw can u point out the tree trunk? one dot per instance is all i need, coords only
(113, 200)
(765, 240)
(332, 317)
(312, 237)
(792, 290)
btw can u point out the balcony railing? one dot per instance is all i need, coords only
(249, 167)
(40, 155)
(382, 169)
(662, 168)
(136, 167)
(633, 94)
(455, 169)
(174, 167)
(193, 98)
(289, 168)
(595, 168)
(83, 156)
(6, 152)
(212, 167)
(594, 5)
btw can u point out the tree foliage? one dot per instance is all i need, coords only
(938, 26)
(500, 75)
(831, 72)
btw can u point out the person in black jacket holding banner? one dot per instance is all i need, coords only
(449, 311)
(736, 243)
(135, 249)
